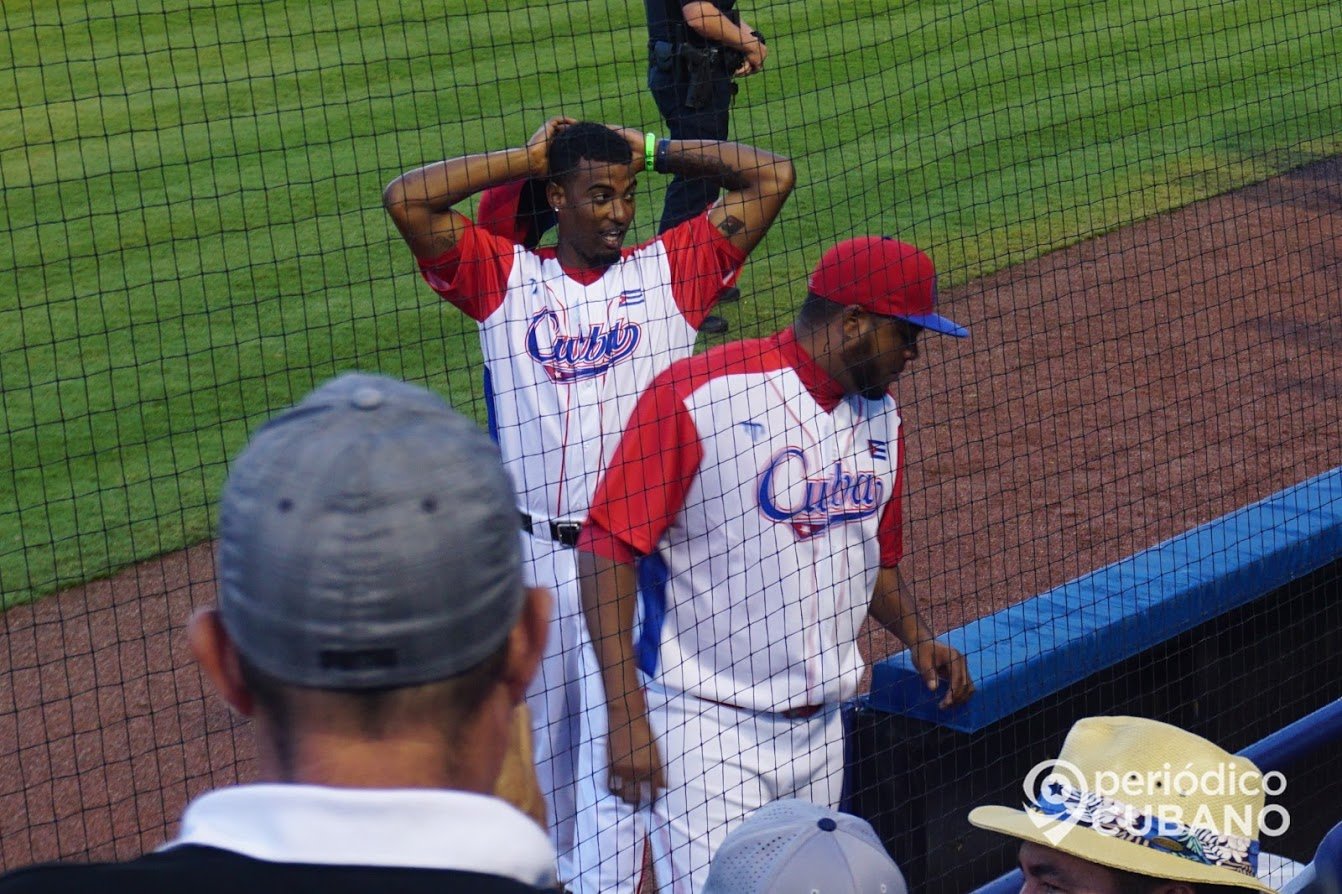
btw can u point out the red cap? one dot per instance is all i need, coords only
(884, 276)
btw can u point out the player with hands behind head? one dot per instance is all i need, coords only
(572, 333)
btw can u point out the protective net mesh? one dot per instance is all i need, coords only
(1134, 208)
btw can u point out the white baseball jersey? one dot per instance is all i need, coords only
(567, 352)
(771, 502)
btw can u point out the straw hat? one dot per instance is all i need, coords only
(1143, 796)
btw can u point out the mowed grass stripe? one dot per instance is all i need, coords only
(194, 236)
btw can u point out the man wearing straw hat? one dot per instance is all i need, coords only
(1135, 806)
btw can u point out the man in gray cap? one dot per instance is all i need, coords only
(374, 626)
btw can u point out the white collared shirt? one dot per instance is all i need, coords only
(412, 828)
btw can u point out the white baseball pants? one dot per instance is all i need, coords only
(721, 763)
(555, 695)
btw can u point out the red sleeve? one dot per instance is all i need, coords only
(654, 465)
(473, 274)
(596, 539)
(890, 535)
(498, 211)
(703, 263)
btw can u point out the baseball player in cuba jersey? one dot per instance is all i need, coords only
(571, 334)
(760, 483)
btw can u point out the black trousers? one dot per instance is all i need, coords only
(688, 196)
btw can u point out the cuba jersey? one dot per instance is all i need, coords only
(766, 503)
(566, 353)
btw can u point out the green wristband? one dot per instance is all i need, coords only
(650, 150)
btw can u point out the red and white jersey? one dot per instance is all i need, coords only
(567, 352)
(765, 503)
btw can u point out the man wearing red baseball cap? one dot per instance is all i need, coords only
(883, 276)
(758, 487)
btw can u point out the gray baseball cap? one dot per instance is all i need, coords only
(368, 537)
(796, 847)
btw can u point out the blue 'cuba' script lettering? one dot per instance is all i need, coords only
(567, 358)
(834, 497)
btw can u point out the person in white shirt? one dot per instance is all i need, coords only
(374, 626)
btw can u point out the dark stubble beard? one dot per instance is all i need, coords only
(601, 257)
(861, 369)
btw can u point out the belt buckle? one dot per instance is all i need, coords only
(565, 533)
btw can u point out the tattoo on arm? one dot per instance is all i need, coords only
(729, 226)
(438, 244)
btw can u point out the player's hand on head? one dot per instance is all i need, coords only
(936, 661)
(538, 147)
(635, 138)
(635, 766)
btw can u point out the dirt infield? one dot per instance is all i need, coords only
(1113, 394)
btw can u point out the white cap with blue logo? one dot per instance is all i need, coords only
(796, 847)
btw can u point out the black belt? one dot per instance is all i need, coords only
(565, 533)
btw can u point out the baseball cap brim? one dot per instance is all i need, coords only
(937, 323)
(1109, 850)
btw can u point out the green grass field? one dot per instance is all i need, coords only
(193, 233)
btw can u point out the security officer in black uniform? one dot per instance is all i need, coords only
(695, 49)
